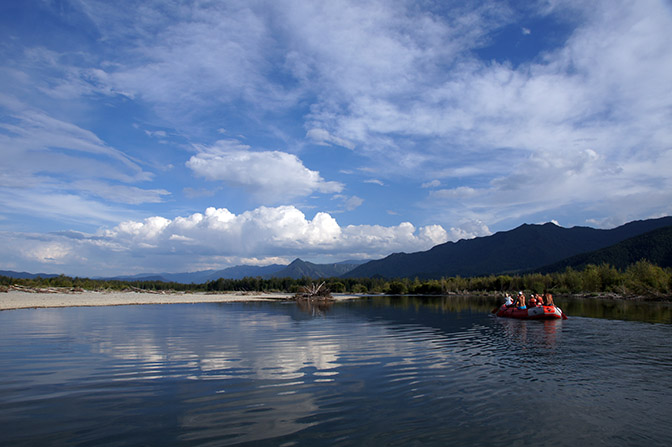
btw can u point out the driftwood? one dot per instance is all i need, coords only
(156, 292)
(73, 290)
(314, 292)
(27, 289)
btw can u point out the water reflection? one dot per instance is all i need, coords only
(537, 334)
(442, 303)
(644, 311)
(315, 308)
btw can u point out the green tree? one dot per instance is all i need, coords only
(591, 280)
(645, 278)
(397, 288)
(359, 288)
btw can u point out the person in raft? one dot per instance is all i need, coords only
(520, 302)
(508, 300)
(548, 299)
(536, 300)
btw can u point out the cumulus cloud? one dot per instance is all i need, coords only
(213, 239)
(469, 229)
(274, 230)
(271, 176)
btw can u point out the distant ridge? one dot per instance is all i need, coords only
(242, 271)
(522, 249)
(297, 269)
(26, 275)
(203, 276)
(303, 269)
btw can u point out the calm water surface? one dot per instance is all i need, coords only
(403, 371)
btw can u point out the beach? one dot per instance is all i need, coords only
(15, 299)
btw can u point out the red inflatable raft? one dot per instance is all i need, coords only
(531, 313)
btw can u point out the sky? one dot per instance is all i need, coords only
(178, 136)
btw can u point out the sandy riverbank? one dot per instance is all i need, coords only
(22, 300)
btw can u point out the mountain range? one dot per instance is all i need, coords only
(297, 269)
(528, 248)
(523, 249)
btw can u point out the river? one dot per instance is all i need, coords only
(378, 371)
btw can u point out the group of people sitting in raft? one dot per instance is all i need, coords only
(535, 300)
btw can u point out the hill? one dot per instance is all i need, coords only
(525, 248)
(203, 276)
(654, 246)
(300, 269)
(242, 271)
(25, 275)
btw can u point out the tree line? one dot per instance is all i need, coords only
(641, 278)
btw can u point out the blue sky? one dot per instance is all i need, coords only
(156, 136)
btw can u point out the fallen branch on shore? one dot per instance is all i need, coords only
(156, 292)
(314, 292)
(27, 289)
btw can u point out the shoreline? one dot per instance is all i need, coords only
(15, 299)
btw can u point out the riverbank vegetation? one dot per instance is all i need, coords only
(642, 279)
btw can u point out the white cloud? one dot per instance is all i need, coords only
(156, 133)
(375, 182)
(353, 202)
(55, 169)
(50, 252)
(605, 90)
(469, 229)
(217, 235)
(432, 184)
(459, 192)
(47, 203)
(185, 59)
(575, 179)
(321, 136)
(32, 131)
(271, 176)
(119, 193)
